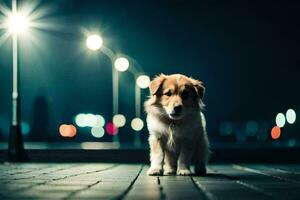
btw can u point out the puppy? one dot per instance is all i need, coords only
(176, 125)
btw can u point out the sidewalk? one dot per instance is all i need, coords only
(124, 181)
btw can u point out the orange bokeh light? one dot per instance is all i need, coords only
(275, 132)
(67, 130)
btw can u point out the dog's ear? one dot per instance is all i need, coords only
(156, 83)
(199, 88)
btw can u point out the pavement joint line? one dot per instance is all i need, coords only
(244, 184)
(122, 196)
(73, 175)
(65, 177)
(31, 170)
(24, 172)
(72, 194)
(60, 169)
(207, 194)
(45, 182)
(161, 189)
(248, 169)
(38, 184)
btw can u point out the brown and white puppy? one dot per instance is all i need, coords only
(176, 125)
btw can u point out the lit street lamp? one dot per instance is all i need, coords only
(120, 64)
(16, 24)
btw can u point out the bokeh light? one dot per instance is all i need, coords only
(119, 120)
(121, 64)
(94, 42)
(111, 129)
(137, 124)
(100, 121)
(80, 120)
(290, 116)
(275, 132)
(67, 130)
(226, 128)
(97, 132)
(143, 81)
(89, 120)
(280, 120)
(25, 128)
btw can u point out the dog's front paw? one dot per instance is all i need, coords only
(184, 172)
(154, 172)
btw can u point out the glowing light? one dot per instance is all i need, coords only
(17, 23)
(100, 145)
(137, 124)
(67, 130)
(100, 121)
(143, 81)
(111, 128)
(25, 128)
(121, 64)
(119, 120)
(97, 132)
(89, 120)
(280, 120)
(80, 120)
(290, 116)
(275, 132)
(18, 19)
(292, 142)
(94, 42)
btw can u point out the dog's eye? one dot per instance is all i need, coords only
(169, 93)
(184, 94)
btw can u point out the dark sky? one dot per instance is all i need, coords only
(245, 52)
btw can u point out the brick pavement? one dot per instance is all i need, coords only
(129, 181)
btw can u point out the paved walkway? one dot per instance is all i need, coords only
(120, 181)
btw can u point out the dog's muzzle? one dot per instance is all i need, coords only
(176, 112)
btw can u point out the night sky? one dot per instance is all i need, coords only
(245, 52)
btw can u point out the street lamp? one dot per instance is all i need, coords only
(94, 42)
(120, 64)
(143, 81)
(16, 24)
(137, 124)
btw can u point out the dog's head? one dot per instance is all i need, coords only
(176, 95)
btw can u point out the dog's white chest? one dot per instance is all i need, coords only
(155, 126)
(158, 128)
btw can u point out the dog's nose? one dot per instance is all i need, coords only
(177, 109)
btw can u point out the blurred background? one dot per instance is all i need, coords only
(245, 52)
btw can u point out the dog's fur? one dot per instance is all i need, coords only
(176, 125)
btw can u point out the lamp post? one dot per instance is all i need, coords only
(141, 82)
(119, 64)
(16, 24)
